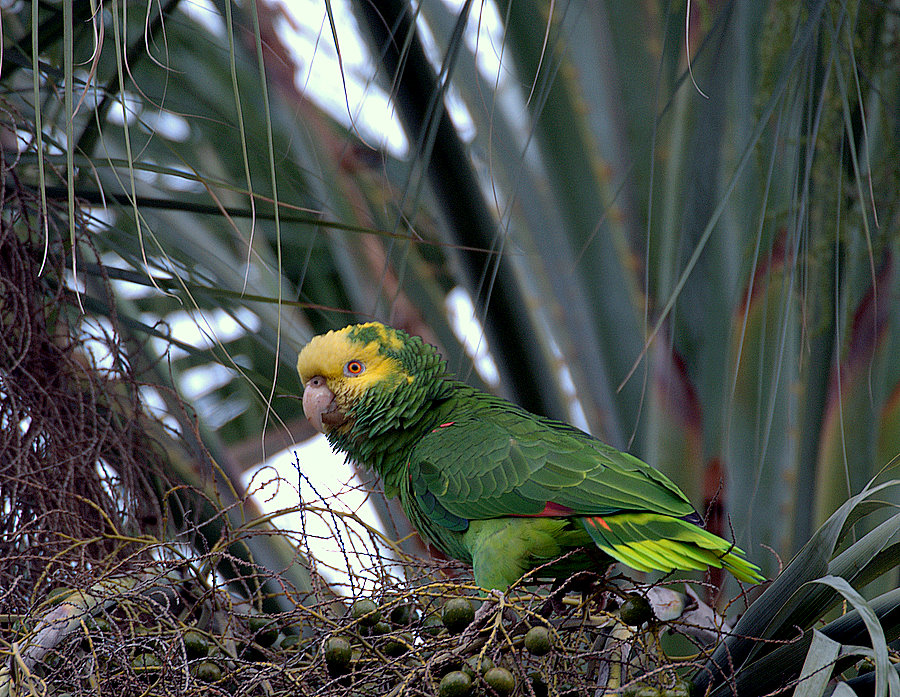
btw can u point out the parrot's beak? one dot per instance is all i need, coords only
(320, 406)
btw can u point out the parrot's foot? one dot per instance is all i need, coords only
(582, 582)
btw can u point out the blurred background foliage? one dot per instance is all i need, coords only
(677, 230)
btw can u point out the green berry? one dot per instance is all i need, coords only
(538, 641)
(635, 611)
(264, 630)
(380, 628)
(539, 685)
(146, 661)
(207, 671)
(455, 684)
(458, 614)
(500, 680)
(338, 654)
(680, 689)
(290, 641)
(366, 612)
(432, 625)
(397, 646)
(403, 615)
(195, 644)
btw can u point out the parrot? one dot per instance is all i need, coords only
(489, 483)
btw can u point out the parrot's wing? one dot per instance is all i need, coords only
(515, 464)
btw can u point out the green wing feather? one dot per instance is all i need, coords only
(508, 462)
(491, 460)
(649, 541)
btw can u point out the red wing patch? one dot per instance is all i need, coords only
(551, 510)
(598, 521)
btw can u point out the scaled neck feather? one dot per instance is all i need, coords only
(390, 419)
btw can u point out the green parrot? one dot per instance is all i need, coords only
(489, 483)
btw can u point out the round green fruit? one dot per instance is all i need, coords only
(539, 685)
(500, 680)
(207, 671)
(146, 661)
(338, 654)
(397, 646)
(681, 688)
(264, 630)
(403, 615)
(635, 611)
(432, 625)
(455, 684)
(366, 612)
(538, 641)
(380, 628)
(195, 644)
(458, 614)
(99, 624)
(290, 641)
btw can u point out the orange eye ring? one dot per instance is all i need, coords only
(353, 368)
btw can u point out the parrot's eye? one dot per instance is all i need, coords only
(353, 368)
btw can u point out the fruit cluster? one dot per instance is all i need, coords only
(442, 639)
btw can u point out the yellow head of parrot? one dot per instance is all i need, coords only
(338, 367)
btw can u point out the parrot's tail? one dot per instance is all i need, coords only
(657, 542)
